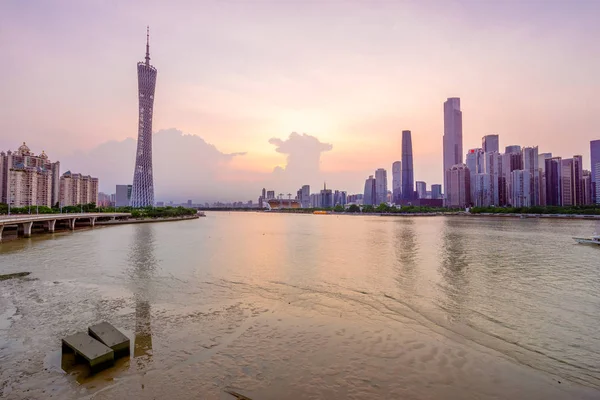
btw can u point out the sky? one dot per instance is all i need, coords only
(278, 94)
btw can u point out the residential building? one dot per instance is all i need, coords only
(595, 159)
(553, 173)
(513, 149)
(123, 195)
(510, 162)
(28, 179)
(436, 191)
(490, 144)
(370, 196)
(103, 200)
(339, 198)
(304, 196)
(531, 165)
(408, 178)
(421, 189)
(522, 188)
(566, 182)
(76, 189)
(586, 187)
(497, 182)
(397, 182)
(577, 180)
(459, 191)
(483, 190)
(475, 162)
(453, 137)
(381, 186)
(542, 167)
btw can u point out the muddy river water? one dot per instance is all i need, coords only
(282, 306)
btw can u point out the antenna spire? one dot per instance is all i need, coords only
(147, 45)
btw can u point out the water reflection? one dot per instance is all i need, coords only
(453, 271)
(143, 264)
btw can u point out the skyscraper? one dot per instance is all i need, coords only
(453, 143)
(142, 194)
(566, 182)
(577, 181)
(497, 181)
(521, 188)
(513, 149)
(490, 143)
(396, 182)
(436, 191)
(421, 189)
(459, 181)
(370, 196)
(595, 157)
(510, 163)
(304, 197)
(542, 166)
(553, 181)
(531, 165)
(586, 187)
(475, 163)
(381, 186)
(408, 178)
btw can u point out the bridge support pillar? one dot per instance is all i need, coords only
(93, 221)
(27, 229)
(51, 225)
(72, 223)
(1, 229)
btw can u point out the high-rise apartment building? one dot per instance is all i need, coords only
(28, 179)
(421, 189)
(370, 195)
(521, 187)
(542, 166)
(531, 165)
(408, 178)
(577, 181)
(497, 180)
(510, 163)
(304, 197)
(453, 137)
(490, 143)
(566, 182)
(459, 192)
(586, 187)
(553, 168)
(142, 194)
(483, 190)
(514, 149)
(475, 163)
(381, 186)
(436, 191)
(76, 189)
(123, 195)
(397, 182)
(595, 158)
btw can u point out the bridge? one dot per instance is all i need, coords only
(25, 223)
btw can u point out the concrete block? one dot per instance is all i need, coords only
(96, 354)
(111, 337)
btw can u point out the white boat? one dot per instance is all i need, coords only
(595, 239)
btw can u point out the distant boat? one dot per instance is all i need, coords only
(595, 239)
(320, 212)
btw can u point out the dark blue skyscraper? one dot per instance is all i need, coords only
(408, 178)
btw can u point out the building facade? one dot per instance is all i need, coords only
(453, 136)
(531, 165)
(521, 188)
(76, 189)
(142, 193)
(123, 195)
(595, 159)
(304, 197)
(512, 149)
(381, 188)
(497, 180)
(459, 190)
(553, 172)
(421, 189)
(475, 162)
(542, 166)
(566, 182)
(436, 191)
(408, 177)
(370, 196)
(397, 182)
(27, 179)
(490, 143)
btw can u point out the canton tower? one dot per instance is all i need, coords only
(142, 192)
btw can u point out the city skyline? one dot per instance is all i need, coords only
(361, 132)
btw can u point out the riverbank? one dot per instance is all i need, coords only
(147, 220)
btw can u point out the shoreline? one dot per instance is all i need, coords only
(147, 220)
(434, 214)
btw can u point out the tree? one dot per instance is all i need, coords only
(338, 208)
(353, 208)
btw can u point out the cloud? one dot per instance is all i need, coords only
(303, 155)
(185, 166)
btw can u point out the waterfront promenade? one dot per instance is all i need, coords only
(26, 223)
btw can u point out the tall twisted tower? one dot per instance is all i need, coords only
(142, 192)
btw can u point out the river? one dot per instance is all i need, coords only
(279, 306)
